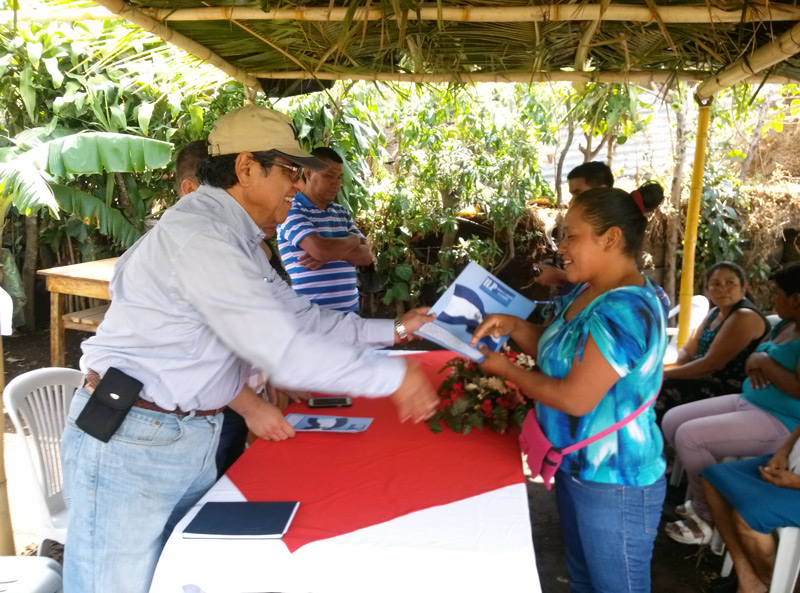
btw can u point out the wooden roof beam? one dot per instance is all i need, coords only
(784, 46)
(641, 76)
(500, 14)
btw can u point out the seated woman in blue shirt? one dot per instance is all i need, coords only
(751, 498)
(601, 359)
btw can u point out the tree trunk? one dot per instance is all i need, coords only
(510, 249)
(590, 153)
(674, 217)
(29, 268)
(753, 146)
(125, 202)
(610, 149)
(449, 203)
(562, 157)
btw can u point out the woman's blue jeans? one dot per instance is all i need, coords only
(609, 532)
(125, 496)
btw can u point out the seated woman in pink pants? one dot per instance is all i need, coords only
(755, 422)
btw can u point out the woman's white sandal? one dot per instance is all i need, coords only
(685, 510)
(682, 533)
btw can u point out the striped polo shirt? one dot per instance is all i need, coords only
(334, 284)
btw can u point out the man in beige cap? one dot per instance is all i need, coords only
(194, 305)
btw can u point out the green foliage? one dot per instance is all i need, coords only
(58, 82)
(719, 234)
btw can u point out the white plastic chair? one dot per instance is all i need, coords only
(38, 402)
(699, 311)
(787, 561)
(29, 574)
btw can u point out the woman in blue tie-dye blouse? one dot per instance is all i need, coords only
(601, 359)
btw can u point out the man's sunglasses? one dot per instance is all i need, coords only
(297, 172)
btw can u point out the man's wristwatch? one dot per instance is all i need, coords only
(400, 329)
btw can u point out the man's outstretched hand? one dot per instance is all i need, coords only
(415, 398)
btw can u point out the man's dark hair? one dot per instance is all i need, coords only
(595, 173)
(788, 279)
(327, 153)
(189, 156)
(220, 171)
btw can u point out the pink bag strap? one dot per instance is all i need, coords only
(613, 428)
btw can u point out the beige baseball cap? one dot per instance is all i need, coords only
(254, 129)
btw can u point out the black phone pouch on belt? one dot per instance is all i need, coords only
(110, 402)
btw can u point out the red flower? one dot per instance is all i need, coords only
(454, 396)
(486, 406)
(459, 387)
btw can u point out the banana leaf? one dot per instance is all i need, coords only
(94, 212)
(23, 186)
(98, 152)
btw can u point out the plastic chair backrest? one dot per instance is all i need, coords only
(38, 402)
(6, 313)
(700, 307)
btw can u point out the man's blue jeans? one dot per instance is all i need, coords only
(125, 496)
(609, 532)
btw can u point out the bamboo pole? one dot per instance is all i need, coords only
(149, 24)
(6, 531)
(582, 52)
(639, 76)
(692, 220)
(786, 45)
(55, 15)
(499, 14)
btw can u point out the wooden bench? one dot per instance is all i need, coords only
(91, 280)
(87, 320)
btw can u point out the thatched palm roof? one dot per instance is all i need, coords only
(472, 40)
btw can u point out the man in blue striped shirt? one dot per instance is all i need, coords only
(319, 243)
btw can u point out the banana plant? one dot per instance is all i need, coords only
(29, 180)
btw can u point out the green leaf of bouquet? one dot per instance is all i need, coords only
(475, 420)
(459, 406)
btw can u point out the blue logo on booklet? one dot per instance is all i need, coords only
(497, 292)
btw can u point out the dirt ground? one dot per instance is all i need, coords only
(676, 568)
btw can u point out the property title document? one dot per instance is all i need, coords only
(322, 423)
(473, 295)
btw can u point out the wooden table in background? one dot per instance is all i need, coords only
(90, 279)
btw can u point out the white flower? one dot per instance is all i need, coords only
(526, 361)
(470, 387)
(495, 384)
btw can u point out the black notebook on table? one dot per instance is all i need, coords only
(241, 520)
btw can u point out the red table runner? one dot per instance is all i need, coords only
(346, 482)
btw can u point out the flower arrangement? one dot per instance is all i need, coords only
(471, 398)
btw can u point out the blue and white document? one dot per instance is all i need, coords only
(320, 423)
(473, 295)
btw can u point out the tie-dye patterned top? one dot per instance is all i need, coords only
(627, 325)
